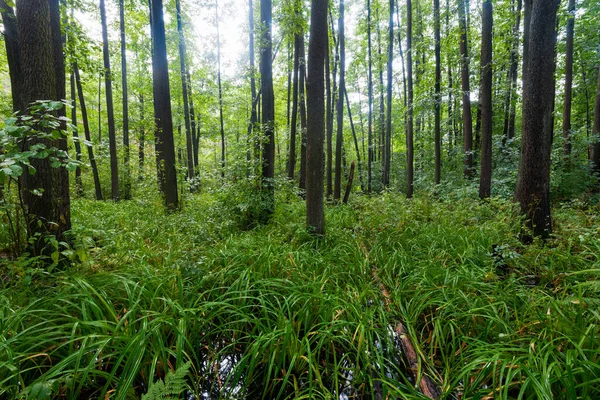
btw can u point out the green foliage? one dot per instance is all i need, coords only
(173, 385)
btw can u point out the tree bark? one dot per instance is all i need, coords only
(595, 150)
(315, 215)
(350, 180)
(438, 95)
(162, 109)
(387, 150)
(11, 41)
(370, 101)
(409, 126)
(221, 122)
(112, 139)
(485, 181)
(76, 142)
(126, 157)
(49, 212)
(184, 90)
(566, 125)
(511, 103)
(533, 184)
(466, 92)
(268, 105)
(303, 122)
(86, 130)
(294, 111)
(339, 141)
(141, 152)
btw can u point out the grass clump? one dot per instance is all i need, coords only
(272, 312)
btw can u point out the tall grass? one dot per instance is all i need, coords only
(274, 313)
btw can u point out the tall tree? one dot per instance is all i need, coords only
(339, 141)
(86, 131)
(268, 104)
(184, 90)
(387, 148)
(294, 111)
(438, 90)
(370, 101)
(127, 177)
(595, 150)
(410, 152)
(76, 142)
(221, 122)
(112, 138)
(566, 125)
(511, 101)
(533, 183)
(485, 181)
(162, 109)
(49, 212)
(466, 91)
(315, 215)
(11, 41)
(302, 100)
(252, 72)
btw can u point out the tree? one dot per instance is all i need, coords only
(163, 118)
(317, 48)
(11, 41)
(221, 122)
(184, 92)
(46, 192)
(566, 125)
(294, 115)
(511, 101)
(466, 91)
(438, 95)
(387, 149)
(595, 150)
(268, 104)
(533, 183)
(485, 181)
(112, 140)
(370, 101)
(252, 72)
(339, 141)
(127, 191)
(409, 121)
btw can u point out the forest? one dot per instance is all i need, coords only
(299, 199)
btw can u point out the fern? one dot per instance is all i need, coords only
(173, 385)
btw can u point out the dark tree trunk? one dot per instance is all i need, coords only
(184, 90)
(409, 126)
(315, 215)
(141, 153)
(112, 139)
(370, 95)
(533, 184)
(485, 181)
(438, 95)
(11, 41)
(333, 104)
(566, 126)
(76, 142)
(221, 122)
(511, 103)
(303, 122)
(350, 180)
(126, 157)
(268, 105)
(253, 112)
(595, 150)
(329, 119)
(100, 106)
(339, 140)
(404, 90)
(86, 131)
(48, 213)
(466, 99)
(193, 135)
(162, 108)
(387, 149)
(356, 148)
(294, 111)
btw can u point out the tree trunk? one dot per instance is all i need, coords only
(533, 184)
(127, 183)
(370, 95)
(184, 90)
(268, 105)
(49, 212)
(466, 99)
(350, 180)
(566, 126)
(356, 148)
(112, 139)
(76, 142)
(221, 122)
(253, 112)
(409, 126)
(294, 111)
(303, 122)
(438, 95)
(339, 140)
(329, 118)
(485, 181)
(86, 131)
(162, 109)
(511, 103)
(141, 153)
(315, 215)
(387, 150)
(333, 106)
(11, 41)
(595, 150)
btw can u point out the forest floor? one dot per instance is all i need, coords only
(220, 311)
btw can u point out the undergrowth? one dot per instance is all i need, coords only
(272, 312)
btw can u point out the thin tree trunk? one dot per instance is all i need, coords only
(184, 91)
(438, 94)
(268, 105)
(356, 148)
(350, 180)
(466, 99)
(11, 41)
(76, 142)
(112, 138)
(100, 74)
(142, 143)
(339, 142)
(253, 111)
(329, 120)
(127, 183)
(566, 126)
(315, 216)
(387, 151)
(409, 127)
(162, 109)
(222, 126)
(370, 95)
(333, 105)
(303, 120)
(509, 131)
(485, 182)
(294, 115)
(595, 151)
